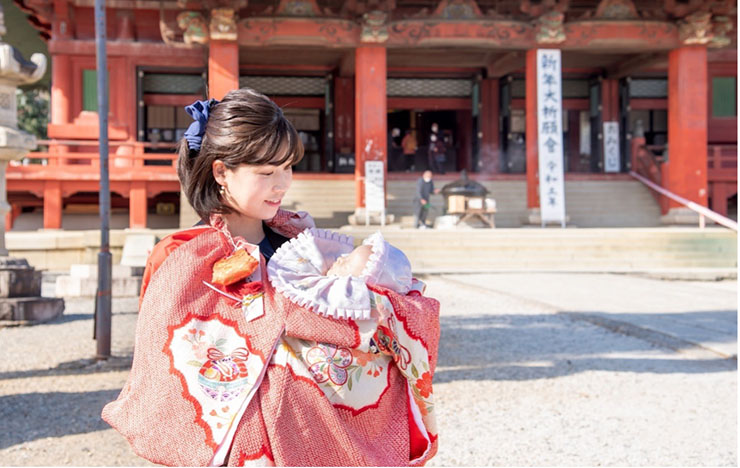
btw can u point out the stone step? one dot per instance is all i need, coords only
(29, 310)
(118, 271)
(588, 203)
(71, 286)
(560, 249)
(86, 305)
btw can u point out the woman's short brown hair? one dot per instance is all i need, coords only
(246, 127)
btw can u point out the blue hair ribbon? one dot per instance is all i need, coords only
(199, 111)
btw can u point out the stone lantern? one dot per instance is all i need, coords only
(20, 284)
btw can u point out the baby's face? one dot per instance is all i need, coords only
(352, 264)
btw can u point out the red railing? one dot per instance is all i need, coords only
(700, 210)
(647, 161)
(722, 163)
(124, 158)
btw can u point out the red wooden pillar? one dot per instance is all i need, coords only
(488, 113)
(371, 119)
(609, 100)
(61, 92)
(344, 114)
(61, 67)
(720, 192)
(52, 204)
(533, 199)
(685, 173)
(223, 68)
(11, 216)
(61, 96)
(137, 205)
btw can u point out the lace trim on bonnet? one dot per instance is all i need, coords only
(297, 271)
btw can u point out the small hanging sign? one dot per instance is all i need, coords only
(611, 147)
(374, 189)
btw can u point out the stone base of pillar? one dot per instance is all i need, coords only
(29, 310)
(20, 295)
(534, 218)
(682, 217)
(18, 278)
(358, 218)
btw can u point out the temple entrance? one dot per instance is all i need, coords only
(410, 133)
(582, 125)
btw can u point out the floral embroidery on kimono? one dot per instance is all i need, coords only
(203, 352)
(350, 378)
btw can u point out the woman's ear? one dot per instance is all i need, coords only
(219, 171)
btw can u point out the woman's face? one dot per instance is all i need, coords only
(254, 191)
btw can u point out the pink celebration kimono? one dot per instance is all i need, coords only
(243, 375)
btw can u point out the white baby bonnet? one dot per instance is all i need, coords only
(387, 266)
(298, 268)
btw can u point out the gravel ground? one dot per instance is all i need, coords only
(517, 384)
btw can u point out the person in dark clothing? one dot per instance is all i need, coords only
(436, 154)
(422, 200)
(394, 150)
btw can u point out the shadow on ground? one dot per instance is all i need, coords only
(31, 416)
(529, 347)
(76, 367)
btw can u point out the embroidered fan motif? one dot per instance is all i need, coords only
(216, 367)
(222, 377)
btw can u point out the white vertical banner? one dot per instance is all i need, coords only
(550, 136)
(611, 147)
(374, 190)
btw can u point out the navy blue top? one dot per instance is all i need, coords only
(266, 249)
(271, 242)
(424, 189)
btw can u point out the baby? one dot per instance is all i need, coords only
(351, 264)
(322, 270)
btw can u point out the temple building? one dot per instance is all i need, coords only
(366, 81)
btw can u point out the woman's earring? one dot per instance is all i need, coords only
(222, 190)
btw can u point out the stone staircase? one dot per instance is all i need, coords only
(82, 281)
(330, 202)
(78, 286)
(556, 249)
(601, 203)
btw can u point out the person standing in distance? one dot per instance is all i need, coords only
(422, 200)
(409, 150)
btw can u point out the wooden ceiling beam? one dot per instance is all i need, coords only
(505, 64)
(346, 67)
(634, 64)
